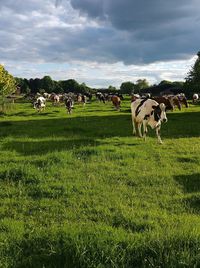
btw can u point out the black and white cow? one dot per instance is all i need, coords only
(147, 112)
(69, 104)
(39, 104)
(195, 98)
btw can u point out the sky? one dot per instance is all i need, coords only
(100, 42)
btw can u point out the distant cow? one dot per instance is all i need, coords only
(46, 95)
(195, 98)
(69, 104)
(181, 97)
(39, 104)
(135, 97)
(101, 97)
(55, 99)
(165, 100)
(174, 101)
(81, 99)
(147, 112)
(116, 102)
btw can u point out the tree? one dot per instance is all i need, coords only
(7, 82)
(165, 82)
(111, 89)
(141, 84)
(23, 84)
(35, 85)
(192, 83)
(127, 87)
(47, 84)
(69, 85)
(7, 87)
(83, 88)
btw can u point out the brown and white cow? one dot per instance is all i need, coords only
(175, 101)
(183, 100)
(165, 100)
(147, 112)
(55, 99)
(135, 97)
(116, 102)
(81, 99)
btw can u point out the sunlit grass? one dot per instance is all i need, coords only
(80, 191)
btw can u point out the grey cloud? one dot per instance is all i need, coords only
(134, 14)
(157, 29)
(131, 31)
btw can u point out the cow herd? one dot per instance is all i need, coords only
(69, 99)
(145, 110)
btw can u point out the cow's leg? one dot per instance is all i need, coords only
(139, 129)
(158, 134)
(145, 129)
(134, 125)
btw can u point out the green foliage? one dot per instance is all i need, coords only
(141, 84)
(165, 83)
(7, 86)
(192, 83)
(47, 84)
(7, 82)
(23, 84)
(127, 87)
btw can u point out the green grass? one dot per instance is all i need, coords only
(80, 191)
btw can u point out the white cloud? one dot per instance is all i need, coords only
(100, 75)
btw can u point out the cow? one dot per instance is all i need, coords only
(55, 99)
(40, 104)
(46, 95)
(68, 104)
(101, 97)
(89, 96)
(174, 101)
(135, 97)
(165, 100)
(195, 98)
(81, 99)
(116, 102)
(147, 112)
(84, 99)
(120, 96)
(181, 97)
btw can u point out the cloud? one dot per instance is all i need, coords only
(108, 33)
(155, 30)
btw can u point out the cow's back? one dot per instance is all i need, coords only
(141, 108)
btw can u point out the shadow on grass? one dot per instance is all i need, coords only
(44, 147)
(89, 126)
(193, 203)
(190, 183)
(191, 187)
(188, 160)
(183, 124)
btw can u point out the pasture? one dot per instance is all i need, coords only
(80, 191)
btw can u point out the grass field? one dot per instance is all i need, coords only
(80, 191)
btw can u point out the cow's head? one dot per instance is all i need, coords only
(160, 113)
